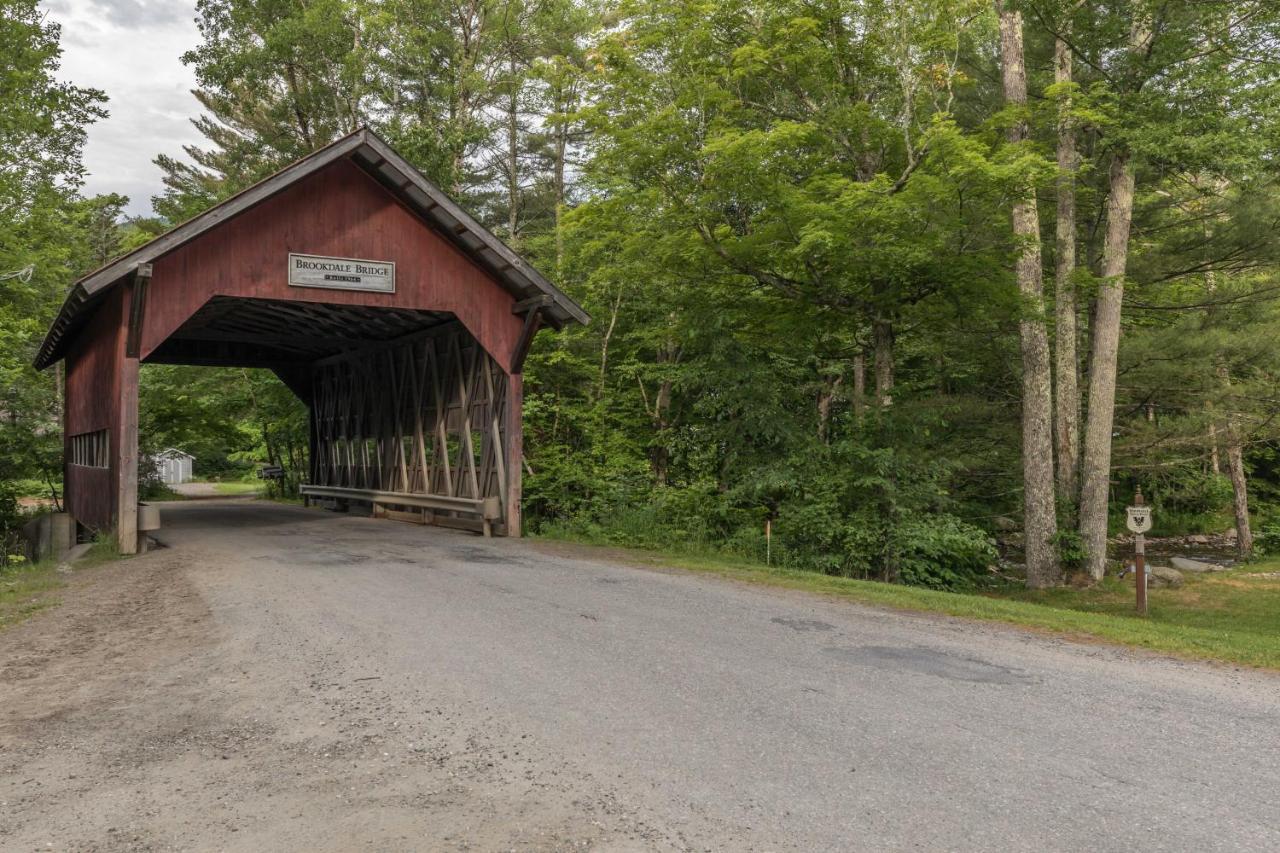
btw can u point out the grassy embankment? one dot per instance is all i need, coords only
(27, 588)
(238, 487)
(1231, 616)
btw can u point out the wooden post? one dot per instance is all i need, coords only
(514, 451)
(126, 442)
(1140, 562)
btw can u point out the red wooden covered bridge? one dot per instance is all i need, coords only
(400, 321)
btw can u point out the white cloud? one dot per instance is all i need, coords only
(131, 49)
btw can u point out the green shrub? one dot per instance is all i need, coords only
(942, 552)
(1266, 540)
(11, 520)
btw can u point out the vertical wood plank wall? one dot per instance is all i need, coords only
(93, 376)
(338, 212)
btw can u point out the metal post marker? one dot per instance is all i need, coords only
(1138, 519)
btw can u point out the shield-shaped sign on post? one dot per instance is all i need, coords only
(1139, 519)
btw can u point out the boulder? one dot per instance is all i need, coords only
(1004, 524)
(1186, 564)
(1163, 576)
(1198, 539)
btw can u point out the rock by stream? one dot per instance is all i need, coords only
(1194, 553)
(1186, 564)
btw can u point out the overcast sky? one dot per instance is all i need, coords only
(131, 49)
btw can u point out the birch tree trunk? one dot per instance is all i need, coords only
(1214, 462)
(1040, 524)
(1211, 287)
(604, 343)
(1066, 367)
(1096, 464)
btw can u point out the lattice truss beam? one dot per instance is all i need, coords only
(426, 417)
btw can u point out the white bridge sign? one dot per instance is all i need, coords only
(1139, 518)
(342, 273)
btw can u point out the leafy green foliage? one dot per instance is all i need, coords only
(231, 420)
(48, 235)
(790, 222)
(278, 80)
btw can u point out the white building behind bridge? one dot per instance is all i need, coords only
(173, 466)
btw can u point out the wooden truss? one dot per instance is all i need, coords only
(426, 417)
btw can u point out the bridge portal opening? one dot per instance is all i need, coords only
(400, 322)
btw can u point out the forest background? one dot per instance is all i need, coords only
(889, 277)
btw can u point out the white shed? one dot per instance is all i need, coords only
(173, 466)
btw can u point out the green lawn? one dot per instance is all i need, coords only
(238, 487)
(1229, 616)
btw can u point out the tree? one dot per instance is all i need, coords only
(277, 80)
(1040, 524)
(764, 191)
(44, 231)
(811, 234)
(433, 65)
(1186, 86)
(1066, 361)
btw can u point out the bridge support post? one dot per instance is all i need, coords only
(126, 443)
(514, 451)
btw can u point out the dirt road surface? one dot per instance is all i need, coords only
(288, 679)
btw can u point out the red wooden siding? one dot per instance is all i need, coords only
(340, 212)
(93, 375)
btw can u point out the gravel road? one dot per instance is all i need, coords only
(287, 679)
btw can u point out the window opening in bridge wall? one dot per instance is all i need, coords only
(90, 449)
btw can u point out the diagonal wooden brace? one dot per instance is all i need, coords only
(532, 310)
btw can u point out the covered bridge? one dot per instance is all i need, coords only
(399, 320)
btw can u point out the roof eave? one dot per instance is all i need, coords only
(564, 310)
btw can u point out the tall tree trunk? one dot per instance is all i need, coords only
(1105, 326)
(295, 97)
(1215, 462)
(1067, 401)
(1211, 287)
(859, 386)
(561, 151)
(604, 342)
(513, 156)
(826, 396)
(1239, 483)
(659, 451)
(1096, 467)
(882, 342)
(1040, 522)
(1240, 499)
